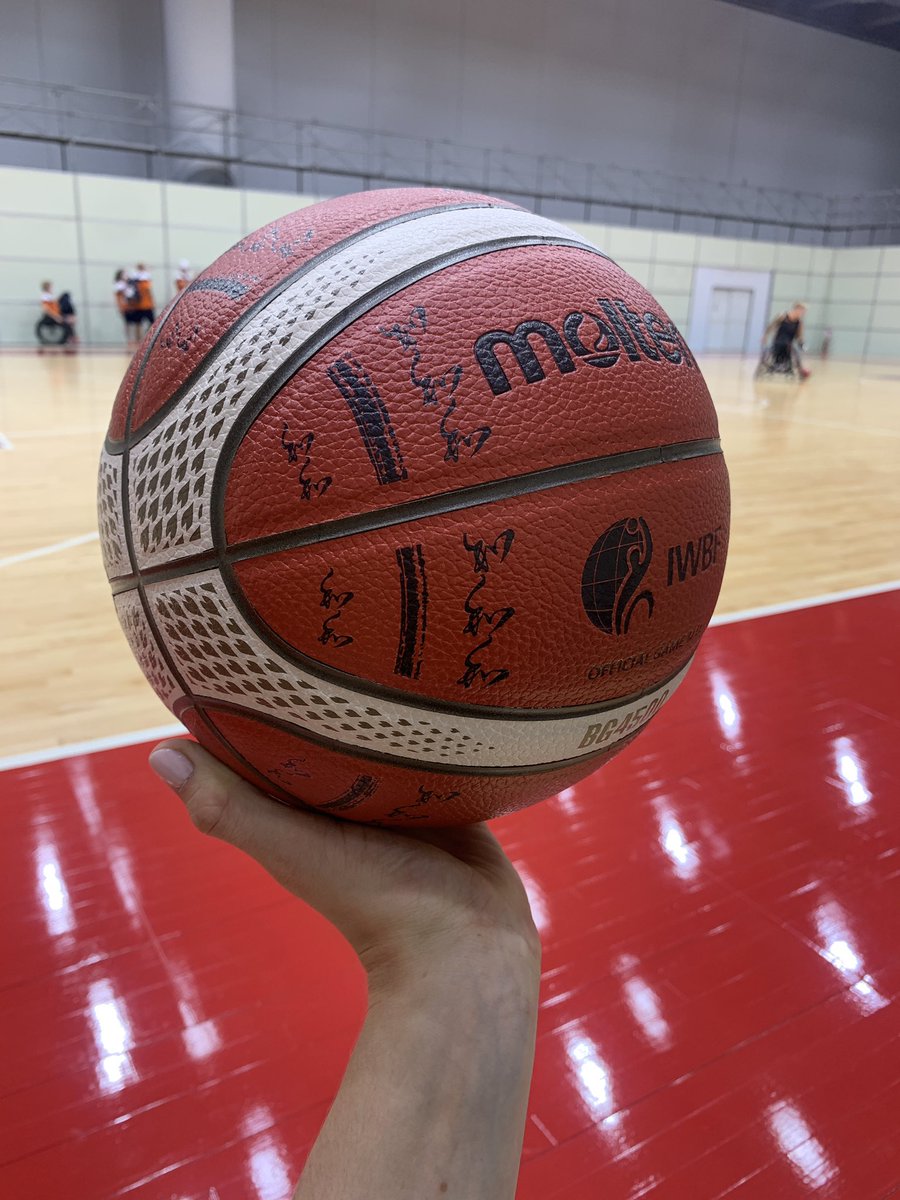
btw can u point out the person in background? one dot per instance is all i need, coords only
(144, 304)
(49, 303)
(125, 294)
(784, 334)
(184, 277)
(67, 314)
(120, 287)
(56, 327)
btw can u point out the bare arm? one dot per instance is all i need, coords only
(433, 1101)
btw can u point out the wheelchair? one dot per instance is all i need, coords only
(53, 333)
(781, 360)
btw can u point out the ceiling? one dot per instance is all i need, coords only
(876, 21)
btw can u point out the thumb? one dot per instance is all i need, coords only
(379, 887)
(216, 801)
(298, 848)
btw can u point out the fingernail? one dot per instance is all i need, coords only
(176, 769)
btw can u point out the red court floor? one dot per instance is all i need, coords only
(721, 996)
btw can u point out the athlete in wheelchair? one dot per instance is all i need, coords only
(57, 324)
(782, 343)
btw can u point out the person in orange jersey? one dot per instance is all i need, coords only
(57, 324)
(144, 304)
(125, 294)
(185, 275)
(49, 303)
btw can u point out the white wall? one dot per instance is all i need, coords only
(78, 229)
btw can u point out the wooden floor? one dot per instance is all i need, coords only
(815, 472)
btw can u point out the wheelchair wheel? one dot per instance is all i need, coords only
(52, 333)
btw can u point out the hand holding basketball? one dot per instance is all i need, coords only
(397, 897)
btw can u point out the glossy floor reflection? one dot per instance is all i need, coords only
(721, 915)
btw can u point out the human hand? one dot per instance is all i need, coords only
(397, 896)
(435, 1095)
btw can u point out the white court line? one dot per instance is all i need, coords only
(771, 610)
(53, 753)
(64, 431)
(87, 350)
(5, 443)
(27, 555)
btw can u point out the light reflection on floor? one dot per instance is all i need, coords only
(720, 909)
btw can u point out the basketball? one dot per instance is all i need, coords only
(413, 507)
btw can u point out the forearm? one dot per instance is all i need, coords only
(433, 1102)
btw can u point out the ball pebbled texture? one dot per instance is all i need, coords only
(413, 507)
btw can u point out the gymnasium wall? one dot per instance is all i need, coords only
(864, 302)
(78, 229)
(693, 87)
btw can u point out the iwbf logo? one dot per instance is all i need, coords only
(615, 567)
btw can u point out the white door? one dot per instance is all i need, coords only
(730, 289)
(728, 320)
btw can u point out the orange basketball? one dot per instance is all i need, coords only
(413, 507)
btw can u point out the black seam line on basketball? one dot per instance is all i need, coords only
(432, 506)
(219, 348)
(259, 401)
(177, 677)
(117, 447)
(448, 767)
(264, 394)
(429, 704)
(341, 321)
(509, 488)
(262, 781)
(328, 675)
(158, 640)
(139, 374)
(128, 530)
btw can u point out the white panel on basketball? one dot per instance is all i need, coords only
(109, 515)
(221, 658)
(137, 629)
(171, 469)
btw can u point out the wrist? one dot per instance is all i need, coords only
(441, 963)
